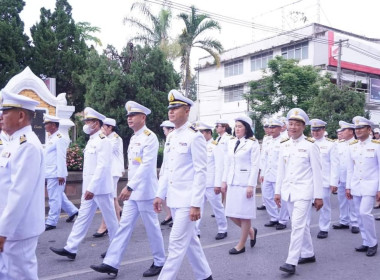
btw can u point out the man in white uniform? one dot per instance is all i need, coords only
(183, 185)
(97, 188)
(224, 135)
(264, 145)
(56, 172)
(22, 190)
(278, 218)
(330, 171)
(210, 195)
(363, 181)
(348, 215)
(299, 182)
(138, 195)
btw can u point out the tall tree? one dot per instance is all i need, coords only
(86, 30)
(193, 36)
(285, 85)
(333, 105)
(60, 52)
(156, 31)
(14, 44)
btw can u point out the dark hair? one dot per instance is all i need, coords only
(29, 114)
(113, 128)
(248, 129)
(207, 130)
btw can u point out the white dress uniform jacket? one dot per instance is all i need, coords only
(183, 182)
(221, 151)
(264, 145)
(270, 159)
(97, 177)
(343, 156)
(22, 194)
(330, 161)
(363, 171)
(142, 161)
(299, 174)
(55, 156)
(242, 166)
(117, 155)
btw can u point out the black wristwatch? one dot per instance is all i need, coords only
(129, 189)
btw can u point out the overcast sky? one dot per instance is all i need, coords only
(360, 17)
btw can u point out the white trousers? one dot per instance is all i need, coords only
(86, 213)
(131, 211)
(115, 180)
(325, 212)
(183, 240)
(218, 209)
(19, 261)
(57, 201)
(281, 215)
(347, 212)
(300, 238)
(363, 206)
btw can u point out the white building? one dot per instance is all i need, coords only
(221, 89)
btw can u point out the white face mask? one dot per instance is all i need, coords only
(87, 129)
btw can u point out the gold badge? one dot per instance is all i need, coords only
(171, 97)
(129, 107)
(296, 112)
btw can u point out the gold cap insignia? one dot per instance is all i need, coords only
(129, 107)
(357, 121)
(171, 97)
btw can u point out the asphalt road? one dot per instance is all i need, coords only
(336, 257)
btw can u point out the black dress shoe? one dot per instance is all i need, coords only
(377, 218)
(376, 207)
(165, 222)
(212, 216)
(199, 236)
(71, 218)
(171, 224)
(372, 251)
(63, 252)
(280, 226)
(209, 278)
(152, 271)
(362, 248)
(262, 207)
(221, 235)
(288, 268)
(49, 227)
(271, 224)
(105, 268)
(103, 255)
(233, 251)
(306, 260)
(322, 234)
(340, 226)
(253, 241)
(355, 230)
(97, 234)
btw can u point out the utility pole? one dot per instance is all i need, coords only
(339, 68)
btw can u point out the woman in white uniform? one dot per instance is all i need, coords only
(240, 174)
(109, 127)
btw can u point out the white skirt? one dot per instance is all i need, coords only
(238, 205)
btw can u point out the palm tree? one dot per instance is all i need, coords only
(155, 33)
(196, 25)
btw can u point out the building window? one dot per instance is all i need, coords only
(260, 61)
(232, 94)
(233, 68)
(298, 51)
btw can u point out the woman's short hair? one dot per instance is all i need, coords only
(248, 129)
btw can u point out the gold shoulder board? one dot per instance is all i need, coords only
(147, 132)
(252, 138)
(375, 141)
(232, 137)
(1, 142)
(310, 139)
(193, 128)
(59, 135)
(22, 139)
(286, 139)
(354, 142)
(214, 142)
(116, 135)
(329, 139)
(102, 136)
(341, 140)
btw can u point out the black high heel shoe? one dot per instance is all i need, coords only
(97, 234)
(253, 241)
